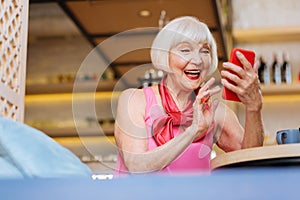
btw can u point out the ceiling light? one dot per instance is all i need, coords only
(144, 13)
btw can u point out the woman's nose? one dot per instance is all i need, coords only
(196, 59)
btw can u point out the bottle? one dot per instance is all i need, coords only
(261, 69)
(276, 71)
(266, 72)
(146, 79)
(286, 70)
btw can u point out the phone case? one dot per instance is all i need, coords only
(250, 56)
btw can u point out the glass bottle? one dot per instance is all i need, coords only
(266, 72)
(276, 71)
(261, 70)
(286, 70)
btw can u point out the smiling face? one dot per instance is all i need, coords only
(189, 63)
(177, 31)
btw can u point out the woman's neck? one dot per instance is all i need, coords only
(179, 95)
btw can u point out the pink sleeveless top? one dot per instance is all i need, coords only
(194, 160)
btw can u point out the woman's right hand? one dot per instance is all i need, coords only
(204, 109)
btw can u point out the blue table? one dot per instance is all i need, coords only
(227, 184)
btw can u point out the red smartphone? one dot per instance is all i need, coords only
(250, 56)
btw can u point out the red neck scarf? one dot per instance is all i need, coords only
(162, 128)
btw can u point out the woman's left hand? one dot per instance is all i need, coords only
(245, 82)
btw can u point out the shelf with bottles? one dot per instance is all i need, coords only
(67, 128)
(67, 87)
(281, 89)
(57, 131)
(268, 34)
(276, 77)
(68, 98)
(91, 149)
(65, 83)
(54, 113)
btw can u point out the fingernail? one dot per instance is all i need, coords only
(222, 81)
(204, 99)
(225, 64)
(238, 53)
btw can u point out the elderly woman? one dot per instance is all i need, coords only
(171, 127)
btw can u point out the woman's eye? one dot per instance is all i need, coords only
(185, 50)
(205, 51)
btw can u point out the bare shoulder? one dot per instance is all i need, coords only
(132, 95)
(132, 102)
(130, 114)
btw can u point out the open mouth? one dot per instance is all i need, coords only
(193, 74)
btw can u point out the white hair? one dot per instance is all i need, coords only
(181, 29)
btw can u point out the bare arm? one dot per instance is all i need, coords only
(230, 135)
(248, 90)
(229, 132)
(132, 137)
(254, 130)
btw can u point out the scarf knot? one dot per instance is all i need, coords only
(162, 127)
(178, 118)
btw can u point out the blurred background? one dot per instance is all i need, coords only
(82, 53)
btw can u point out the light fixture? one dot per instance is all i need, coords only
(163, 19)
(144, 13)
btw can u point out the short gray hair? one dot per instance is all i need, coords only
(181, 29)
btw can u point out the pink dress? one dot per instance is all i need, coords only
(194, 160)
